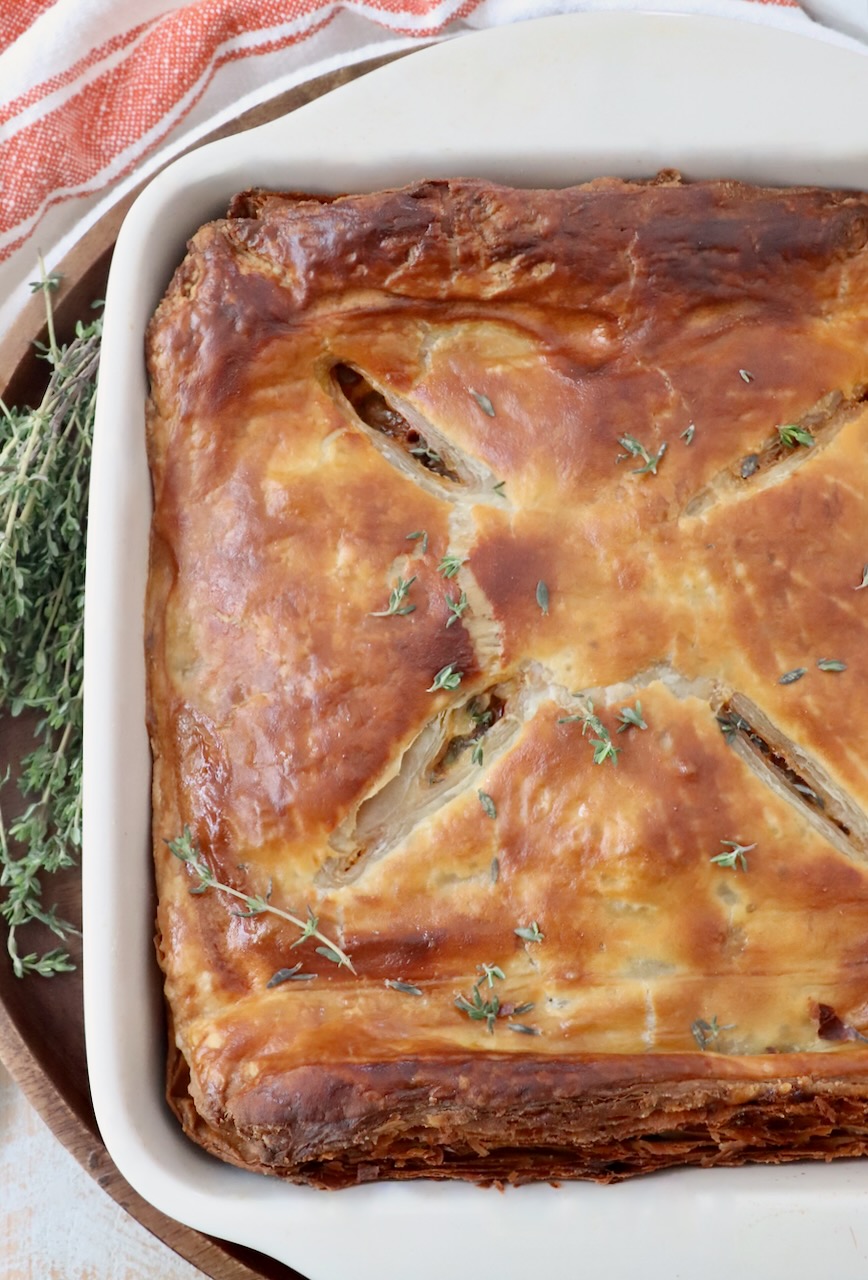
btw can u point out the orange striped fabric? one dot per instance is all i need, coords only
(89, 93)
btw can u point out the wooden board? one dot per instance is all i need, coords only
(42, 1020)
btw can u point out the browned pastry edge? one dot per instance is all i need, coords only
(502, 1120)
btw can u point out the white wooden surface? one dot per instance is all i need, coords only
(55, 1222)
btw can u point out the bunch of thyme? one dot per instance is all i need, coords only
(44, 468)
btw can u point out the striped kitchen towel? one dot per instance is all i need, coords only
(95, 95)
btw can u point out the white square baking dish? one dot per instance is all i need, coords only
(545, 103)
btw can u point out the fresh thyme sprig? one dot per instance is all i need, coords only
(456, 607)
(542, 596)
(44, 466)
(530, 933)
(603, 747)
(705, 1032)
(396, 597)
(631, 718)
(446, 678)
(688, 433)
(831, 664)
(420, 536)
(636, 450)
(450, 565)
(479, 1010)
(184, 849)
(792, 435)
(735, 855)
(864, 583)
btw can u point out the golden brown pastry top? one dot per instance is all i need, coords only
(538, 350)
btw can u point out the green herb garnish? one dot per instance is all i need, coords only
(488, 805)
(637, 450)
(425, 453)
(864, 583)
(736, 855)
(483, 401)
(745, 376)
(529, 933)
(420, 536)
(522, 1029)
(490, 972)
(790, 677)
(289, 975)
(450, 565)
(479, 1010)
(792, 435)
(499, 488)
(446, 678)
(396, 596)
(831, 664)
(456, 607)
(542, 596)
(705, 1033)
(476, 755)
(688, 433)
(494, 870)
(44, 464)
(602, 743)
(184, 849)
(407, 987)
(631, 718)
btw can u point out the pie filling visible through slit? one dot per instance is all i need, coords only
(507, 651)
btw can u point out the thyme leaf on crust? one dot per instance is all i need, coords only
(289, 975)
(456, 607)
(407, 987)
(631, 718)
(705, 1032)
(864, 583)
(483, 401)
(489, 973)
(420, 536)
(542, 596)
(604, 749)
(488, 806)
(791, 436)
(831, 664)
(446, 678)
(184, 849)
(635, 449)
(479, 1010)
(450, 565)
(790, 677)
(735, 855)
(529, 933)
(396, 597)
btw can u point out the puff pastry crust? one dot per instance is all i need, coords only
(602, 448)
